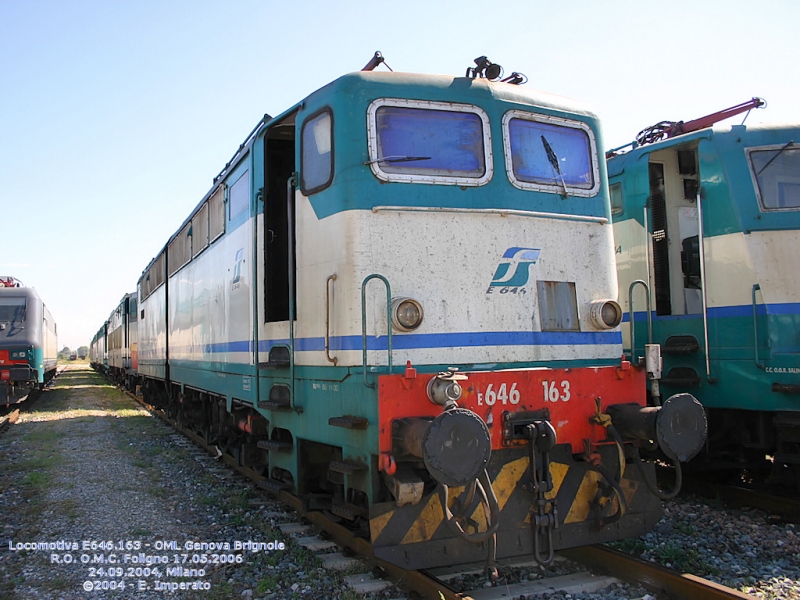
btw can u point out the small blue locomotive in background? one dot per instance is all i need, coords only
(28, 341)
(398, 302)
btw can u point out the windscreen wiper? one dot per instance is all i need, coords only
(396, 159)
(777, 154)
(553, 159)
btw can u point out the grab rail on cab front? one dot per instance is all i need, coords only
(759, 364)
(364, 323)
(649, 315)
(328, 356)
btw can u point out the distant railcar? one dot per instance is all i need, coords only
(707, 227)
(28, 341)
(398, 302)
(121, 342)
(98, 357)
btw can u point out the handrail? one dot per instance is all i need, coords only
(704, 296)
(254, 299)
(759, 364)
(649, 314)
(334, 360)
(364, 323)
(291, 183)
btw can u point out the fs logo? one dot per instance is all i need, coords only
(513, 269)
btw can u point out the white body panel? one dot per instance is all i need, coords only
(210, 303)
(153, 331)
(775, 260)
(399, 244)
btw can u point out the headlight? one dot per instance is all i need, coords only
(406, 314)
(606, 314)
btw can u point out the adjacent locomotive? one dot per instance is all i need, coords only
(28, 341)
(397, 301)
(706, 220)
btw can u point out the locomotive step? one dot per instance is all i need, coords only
(274, 485)
(346, 467)
(786, 388)
(271, 405)
(275, 445)
(348, 511)
(681, 344)
(279, 358)
(681, 376)
(349, 422)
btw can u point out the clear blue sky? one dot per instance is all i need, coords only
(115, 115)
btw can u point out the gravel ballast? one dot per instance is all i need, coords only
(86, 464)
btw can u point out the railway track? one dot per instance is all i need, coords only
(10, 415)
(339, 548)
(8, 419)
(786, 507)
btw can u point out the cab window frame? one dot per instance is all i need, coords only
(777, 149)
(375, 159)
(305, 189)
(556, 187)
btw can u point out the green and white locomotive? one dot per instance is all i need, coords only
(398, 302)
(707, 228)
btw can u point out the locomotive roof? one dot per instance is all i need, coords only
(749, 134)
(27, 292)
(365, 86)
(448, 86)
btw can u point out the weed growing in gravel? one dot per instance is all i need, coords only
(206, 500)
(37, 479)
(59, 583)
(158, 491)
(633, 546)
(686, 560)
(684, 528)
(266, 584)
(69, 508)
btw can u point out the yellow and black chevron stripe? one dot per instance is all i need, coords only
(416, 536)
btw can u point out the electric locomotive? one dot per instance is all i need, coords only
(398, 302)
(706, 220)
(28, 341)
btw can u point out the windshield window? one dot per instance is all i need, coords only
(429, 142)
(317, 153)
(777, 175)
(12, 310)
(550, 154)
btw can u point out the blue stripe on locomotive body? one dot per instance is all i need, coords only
(749, 241)
(504, 338)
(31, 330)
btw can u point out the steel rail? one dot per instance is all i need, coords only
(653, 577)
(745, 497)
(9, 419)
